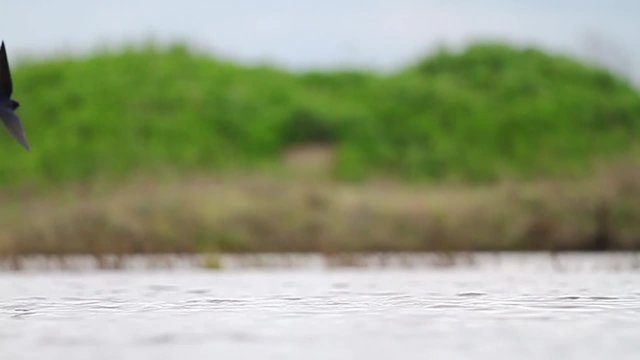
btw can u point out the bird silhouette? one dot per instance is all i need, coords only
(7, 104)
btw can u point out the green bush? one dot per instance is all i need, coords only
(487, 111)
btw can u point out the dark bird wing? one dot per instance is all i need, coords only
(6, 87)
(13, 124)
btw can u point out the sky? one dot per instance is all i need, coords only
(297, 34)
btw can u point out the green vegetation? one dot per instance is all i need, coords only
(154, 150)
(487, 112)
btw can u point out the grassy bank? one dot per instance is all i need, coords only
(158, 150)
(480, 114)
(265, 214)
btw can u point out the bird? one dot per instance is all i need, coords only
(8, 106)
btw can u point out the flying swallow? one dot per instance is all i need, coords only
(7, 104)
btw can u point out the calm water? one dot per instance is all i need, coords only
(583, 307)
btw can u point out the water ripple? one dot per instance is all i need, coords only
(304, 314)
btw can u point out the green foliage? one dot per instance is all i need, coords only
(476, 115)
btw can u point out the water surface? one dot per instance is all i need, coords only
(526, 308)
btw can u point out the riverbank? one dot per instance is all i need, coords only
(258, 213)
(566, 262)
(252, 159)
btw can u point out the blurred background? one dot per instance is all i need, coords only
(379, 35)
(206, 126)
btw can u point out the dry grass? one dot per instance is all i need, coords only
(267, 214)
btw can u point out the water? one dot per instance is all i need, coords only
(580, 307)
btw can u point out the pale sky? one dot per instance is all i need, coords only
(304, 34)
